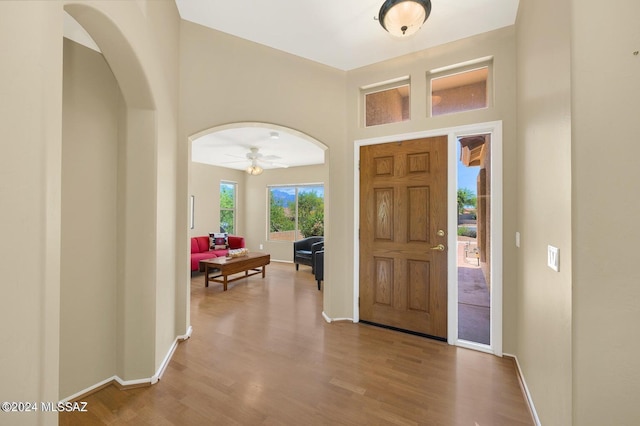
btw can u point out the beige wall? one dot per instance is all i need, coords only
(577, 349)
(30, 164)
(576, 341)
(141, 50)
(606, 278)
(205, 187)
(91, 101)
(544, 206)
(498, 44)
(225, 79)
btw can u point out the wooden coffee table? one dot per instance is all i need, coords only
(225, 266)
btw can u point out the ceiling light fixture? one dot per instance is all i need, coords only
(402, 18)
(254, 169)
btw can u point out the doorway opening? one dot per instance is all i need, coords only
(474, 238)
(490, 251)
(403, 235)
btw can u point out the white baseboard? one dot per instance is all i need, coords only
(328, 319)
(185, 336)
(88, 390)
(527, 395)
(144, 381)
(167, 358)
(125, 383)
(117, 379)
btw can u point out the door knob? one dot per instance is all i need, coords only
(439, 247)
(440, 233)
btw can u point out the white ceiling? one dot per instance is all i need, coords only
(278, 147)
(339, 33)
(343, 34)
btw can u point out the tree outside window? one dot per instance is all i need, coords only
(228, 207)
(296, 212)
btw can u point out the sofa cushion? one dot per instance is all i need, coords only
(194, 246)
(197, 257)
(236, 242)
(203, 243)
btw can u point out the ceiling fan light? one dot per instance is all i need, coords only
(402, 18)
(254, 170)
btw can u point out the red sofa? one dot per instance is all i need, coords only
(200, 249)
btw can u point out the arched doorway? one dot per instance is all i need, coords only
(285, 155)
(108, 261)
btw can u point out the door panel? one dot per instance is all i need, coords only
(403, 204)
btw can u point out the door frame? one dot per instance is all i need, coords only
(452, 133)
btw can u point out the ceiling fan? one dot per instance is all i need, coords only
(256, 158)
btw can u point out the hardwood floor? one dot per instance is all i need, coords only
(261, 354)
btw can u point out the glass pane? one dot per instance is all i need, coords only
(227, 221)
(387, 106)
(296, 212)
(459, 92)
(227, 207)
(282, 213)
(474, 242)
(227, 195)
(311, 211)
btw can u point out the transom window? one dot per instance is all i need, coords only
(460, 90)
(387, 102)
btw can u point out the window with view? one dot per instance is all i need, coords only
(388, 103)
(460, 91)
(296, 212)
(228, 191)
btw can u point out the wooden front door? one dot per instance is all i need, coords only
(403, 224)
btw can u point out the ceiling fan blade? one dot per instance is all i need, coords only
(236, 156)
(233, 162)
(272, 163)
(254, 156)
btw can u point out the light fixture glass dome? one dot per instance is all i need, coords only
(404, 17)
(254, 170)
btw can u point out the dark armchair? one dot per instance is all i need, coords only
(319, 266)
(304, 250)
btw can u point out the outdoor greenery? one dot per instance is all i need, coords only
(279, 219)
(463, 231)
(227, 208)
(310, 212)
(466, 197)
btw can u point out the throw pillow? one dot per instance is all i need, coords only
(219, 241)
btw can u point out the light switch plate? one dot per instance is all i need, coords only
(553, 258)
(517, 239)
